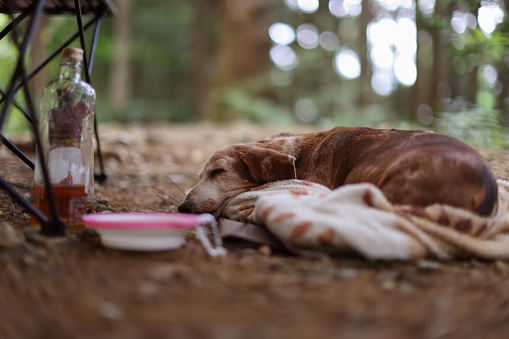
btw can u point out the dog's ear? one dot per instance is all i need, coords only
(266, 165)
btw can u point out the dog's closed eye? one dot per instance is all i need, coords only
(216, 172)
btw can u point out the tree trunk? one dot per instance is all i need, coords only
(441, 55)
(36, 58)
(419, 94)
(473, 86)
(243, 47)
(366, 70)
(202, 58)
(120, 78)
(503, 74)
(504, 93)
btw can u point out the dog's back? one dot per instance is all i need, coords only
(411, 167)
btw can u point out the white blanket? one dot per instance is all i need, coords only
(310, 219)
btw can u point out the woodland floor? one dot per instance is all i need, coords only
(75, 288)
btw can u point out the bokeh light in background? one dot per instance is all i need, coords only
(383, 82)
(425, 114)
(405, 70)
(393, 45)
(382, 57)
(307, 36)
(329, 41)
(382, 32)
(490, 15)
(284, 57)
(306, 6)
(427, 6)
(281, 34)
(347, 64)
(461, 21)
(391, 37)
(342, 8)
(306, 110)
(490, 75)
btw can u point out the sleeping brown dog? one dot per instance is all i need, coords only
(411, 167)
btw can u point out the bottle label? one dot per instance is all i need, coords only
(66, 167)
(65, 123)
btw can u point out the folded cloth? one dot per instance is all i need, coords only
(241, 207)
(310, 219)
(247, 232)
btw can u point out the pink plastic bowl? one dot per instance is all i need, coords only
(142, 220)
(144, 232)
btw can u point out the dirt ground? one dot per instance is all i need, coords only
(73, 287)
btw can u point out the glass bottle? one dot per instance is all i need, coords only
(66, 129)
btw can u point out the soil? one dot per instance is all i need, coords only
(72, 287)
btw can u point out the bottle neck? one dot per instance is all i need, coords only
(70, 69)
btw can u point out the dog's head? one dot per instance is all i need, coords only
(234, 170)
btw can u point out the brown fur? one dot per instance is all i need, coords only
(411, 167)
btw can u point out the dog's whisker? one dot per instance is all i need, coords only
(173, 200)
(165, 200)
(173, 182)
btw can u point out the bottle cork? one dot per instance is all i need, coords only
(72, 53)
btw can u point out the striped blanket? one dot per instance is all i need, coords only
(309, 219)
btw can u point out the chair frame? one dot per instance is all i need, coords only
(31, 13)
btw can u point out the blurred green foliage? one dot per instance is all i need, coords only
(479, 127)
(8, 59)
(255, 109)
(163, 61)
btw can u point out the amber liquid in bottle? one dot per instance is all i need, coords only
(71, 204)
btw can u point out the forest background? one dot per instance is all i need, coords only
(442, 65)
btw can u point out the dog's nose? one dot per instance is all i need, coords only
(185, 207)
